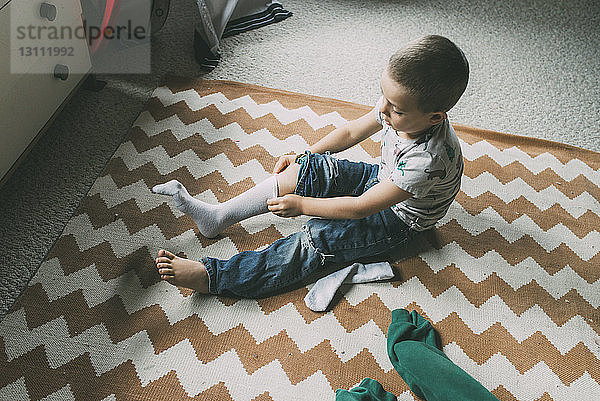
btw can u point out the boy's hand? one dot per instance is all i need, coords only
(289, 205)
(283, 162)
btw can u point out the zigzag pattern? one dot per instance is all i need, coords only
(232, 130)
(583, 242)
(508, 346)
(113, 196)
(103, 335)
(210, 346)
(545, 220)
(479, 319)
(223, 163)
(522, 226)
(198, 168)
(544, 199)
(471, 152)
(537, 164)
(518, 250)
(537, 181)
(356, 154)
(527, 386)
(196, 102)
(96, 292)
(511, 285)
(94, 282)
(195, 377)
(478, 269)
(219, 318)
(560, 310)
(453, 253)
(476, 370)
(13, 390)
(526, 226)
(97, 387)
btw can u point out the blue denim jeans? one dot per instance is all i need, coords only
(322, 244)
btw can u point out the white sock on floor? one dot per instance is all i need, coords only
(212, 219)
(320, 296)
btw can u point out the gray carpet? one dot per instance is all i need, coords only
(534, 72)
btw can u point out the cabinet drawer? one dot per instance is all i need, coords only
(34, 40)
(29, 100)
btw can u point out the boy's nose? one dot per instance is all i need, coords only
(384, 107)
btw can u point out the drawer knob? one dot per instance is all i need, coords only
(48, 11)
(61, 72)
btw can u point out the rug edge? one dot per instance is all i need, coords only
(201, 80)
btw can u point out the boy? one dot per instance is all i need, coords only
(365, 210)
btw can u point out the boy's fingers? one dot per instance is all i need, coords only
(275, 206)
(278, 167)
(283, 163)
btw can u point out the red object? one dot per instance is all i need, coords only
(111, 10)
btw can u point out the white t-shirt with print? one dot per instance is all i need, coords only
(430, 167)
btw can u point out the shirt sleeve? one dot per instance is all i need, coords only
(417, 172)
(376, 111)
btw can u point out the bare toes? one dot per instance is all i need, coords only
(169, 255)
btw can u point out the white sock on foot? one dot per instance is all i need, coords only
(212, 219)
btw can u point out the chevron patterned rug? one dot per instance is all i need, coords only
(511, 282)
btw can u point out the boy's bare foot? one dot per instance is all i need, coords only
(182, 272)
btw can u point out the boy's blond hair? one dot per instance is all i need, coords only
(433, 70)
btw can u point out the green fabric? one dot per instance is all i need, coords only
(416, 356)
(367, 390)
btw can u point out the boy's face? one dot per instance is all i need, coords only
(400, 109)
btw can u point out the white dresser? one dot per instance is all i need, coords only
(29, 100)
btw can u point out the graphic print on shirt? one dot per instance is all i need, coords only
(400, 152)
(431, 174)
(401, 166)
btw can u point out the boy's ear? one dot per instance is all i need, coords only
(437, 117)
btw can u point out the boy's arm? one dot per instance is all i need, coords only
(337, 140)
(379, 197)
(347, 135)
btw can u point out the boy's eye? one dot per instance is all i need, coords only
(398, 112)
